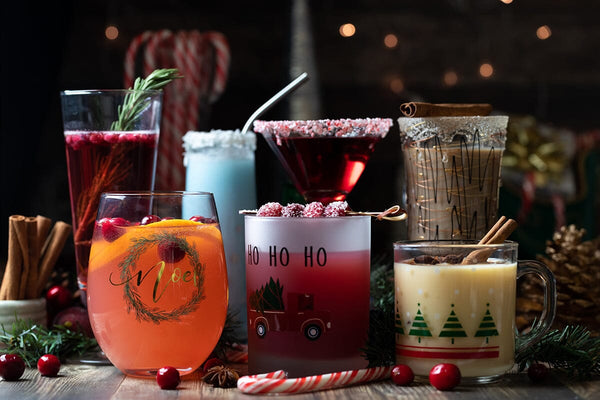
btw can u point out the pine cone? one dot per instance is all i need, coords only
(576, 267)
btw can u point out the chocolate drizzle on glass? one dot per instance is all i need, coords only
(453, 174)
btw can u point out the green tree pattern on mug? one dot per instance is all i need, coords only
(419, 326)
(398, 325)
(487, 327)
(453, 328)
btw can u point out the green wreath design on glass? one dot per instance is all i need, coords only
(132, 297)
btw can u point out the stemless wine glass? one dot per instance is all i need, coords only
(157, 280)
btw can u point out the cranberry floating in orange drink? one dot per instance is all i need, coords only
(324, 158)
(157, 280)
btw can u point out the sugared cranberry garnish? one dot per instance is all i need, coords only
(537, 372)
(444, 376)
(211, 362)
(170, 252)
(148, 219)
(112, 228)
(402, 375)
(48, 365)
(336, 209)
(168, 378)
(293, 210)
(12, 367)
(314, 209)
(272, 209)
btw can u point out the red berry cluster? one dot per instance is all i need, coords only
(12, 366)
(79, 140)
(295, 210)
(112, 228)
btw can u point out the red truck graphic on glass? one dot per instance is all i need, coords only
(298, 315)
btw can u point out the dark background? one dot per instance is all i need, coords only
(61, 45)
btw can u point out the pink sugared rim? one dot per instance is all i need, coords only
(326, 127)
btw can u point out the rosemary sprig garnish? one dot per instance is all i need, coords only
(31, 341)
(572, 351)
(137, 101)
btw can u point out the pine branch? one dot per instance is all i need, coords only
(380, 347)
(572, 351)
(137, 100)
(31, 341)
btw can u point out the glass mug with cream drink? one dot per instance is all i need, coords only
(451, 310)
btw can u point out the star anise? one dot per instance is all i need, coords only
(221, 376)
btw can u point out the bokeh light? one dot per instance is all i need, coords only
(347, 30)
(397, 85)
(111, 32)
(543, 32)
(486, 70)
(450, 78)
(390, 40)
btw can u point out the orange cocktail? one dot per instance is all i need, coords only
(157, 292)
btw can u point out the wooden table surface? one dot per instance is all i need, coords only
(89, 382)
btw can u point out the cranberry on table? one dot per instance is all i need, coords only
(537, 372)
(12, 367)
(168, 378)
(444, 376)
(48, 365)
(402, 375)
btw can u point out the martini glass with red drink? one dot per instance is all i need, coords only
(324, 158)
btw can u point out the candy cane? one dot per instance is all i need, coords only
(275, 382)
(222, 59)
(132, 51)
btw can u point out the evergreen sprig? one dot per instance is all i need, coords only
(380, 347)
(137, 100)
(31, 341)
(572, 351)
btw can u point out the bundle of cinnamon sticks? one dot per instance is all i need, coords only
(32, 254)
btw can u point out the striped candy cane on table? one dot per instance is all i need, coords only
(276, 382)
(195, 55)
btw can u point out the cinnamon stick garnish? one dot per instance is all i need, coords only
(12, 273)
(43, 227)
(52, 248)
(421, 109)
(31, 280)
(498, 234)
(21, 229)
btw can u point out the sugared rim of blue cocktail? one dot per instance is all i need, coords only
(326, 127)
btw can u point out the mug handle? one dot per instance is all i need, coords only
(542, 325)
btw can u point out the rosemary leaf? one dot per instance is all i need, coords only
(31, 341)
(137, 101)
